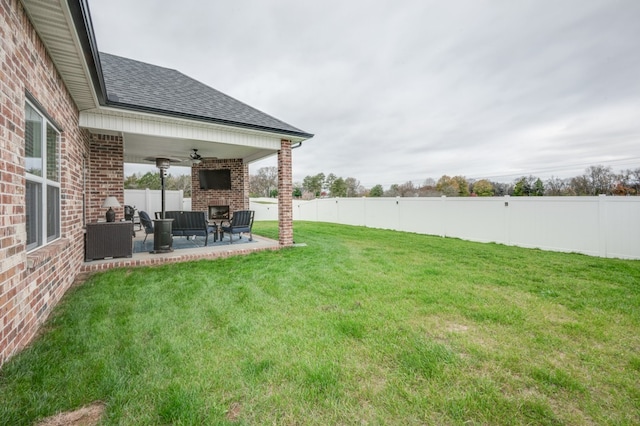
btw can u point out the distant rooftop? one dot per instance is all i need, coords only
(144, 87)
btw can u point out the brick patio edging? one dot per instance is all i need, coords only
(163, 259)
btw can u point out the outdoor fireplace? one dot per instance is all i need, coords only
(218, 212)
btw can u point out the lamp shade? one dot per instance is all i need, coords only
(110, 202)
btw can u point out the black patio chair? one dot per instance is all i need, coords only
(129, 213)
(241, 222)
(146, 223)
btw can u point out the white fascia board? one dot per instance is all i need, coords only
(53, 23)
(116, 120)
(82, 64)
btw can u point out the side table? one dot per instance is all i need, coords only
(108, 239)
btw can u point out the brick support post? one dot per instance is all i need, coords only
(105, 175)
(285, 195)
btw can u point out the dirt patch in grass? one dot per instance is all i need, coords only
(85, 416)
(233, 414)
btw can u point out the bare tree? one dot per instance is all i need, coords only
(407, 189)
(556, 187)
(602, 179)
(580, 185)
(596, 180)
(264, 182)
(428, 189)
(354, 189)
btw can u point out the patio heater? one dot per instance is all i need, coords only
(162, 239)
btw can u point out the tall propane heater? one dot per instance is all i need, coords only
(162, 238)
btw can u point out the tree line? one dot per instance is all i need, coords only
(151, 180)
(595, 180)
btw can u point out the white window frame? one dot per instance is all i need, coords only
(44, 235)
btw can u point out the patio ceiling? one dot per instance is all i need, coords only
(138, 147)
(147, 135)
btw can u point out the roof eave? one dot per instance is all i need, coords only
(84, 28)
(65, 28)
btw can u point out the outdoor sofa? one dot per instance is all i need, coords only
(188, 224)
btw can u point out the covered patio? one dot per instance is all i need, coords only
(154, 113)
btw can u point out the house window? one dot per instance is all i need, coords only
(42, 164)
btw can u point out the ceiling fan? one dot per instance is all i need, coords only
(195, 157)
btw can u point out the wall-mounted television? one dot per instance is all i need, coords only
(215, 179)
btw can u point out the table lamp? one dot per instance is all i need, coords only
(110, 202)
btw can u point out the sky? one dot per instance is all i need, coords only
(405, 90)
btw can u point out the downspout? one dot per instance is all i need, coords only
(298, 145)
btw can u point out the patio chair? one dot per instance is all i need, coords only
(241, 222)
(146, 223)
(129, 213)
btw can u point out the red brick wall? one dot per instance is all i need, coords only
(237, 198)
(31, 284)
(105, 175)
(285, 195)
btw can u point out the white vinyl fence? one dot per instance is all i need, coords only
(597, 226)
(150, 201)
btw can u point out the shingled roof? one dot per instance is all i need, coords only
(144, 87)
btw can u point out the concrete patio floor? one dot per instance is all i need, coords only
(181, 255)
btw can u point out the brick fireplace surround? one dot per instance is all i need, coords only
(237, 198)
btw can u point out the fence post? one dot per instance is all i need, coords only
(507, 220)
(443, 215)
(364, 211)
(147, 201)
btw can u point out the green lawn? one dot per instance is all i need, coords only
(361, 326)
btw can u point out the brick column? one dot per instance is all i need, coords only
(285, 195)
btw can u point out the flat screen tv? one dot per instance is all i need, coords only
(215, 179)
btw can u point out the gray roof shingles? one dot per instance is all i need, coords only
(141, 86)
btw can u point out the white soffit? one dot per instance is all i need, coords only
(116, 120)
(53, 23)
(147, 134)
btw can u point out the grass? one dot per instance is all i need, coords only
(361, 326)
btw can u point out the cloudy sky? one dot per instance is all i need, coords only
(404, 90)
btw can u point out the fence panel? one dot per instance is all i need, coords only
(597, 226)
(621, 227)
(151, 200)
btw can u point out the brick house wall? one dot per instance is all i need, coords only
(237, 198)
(31, 284)
(105, 175)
